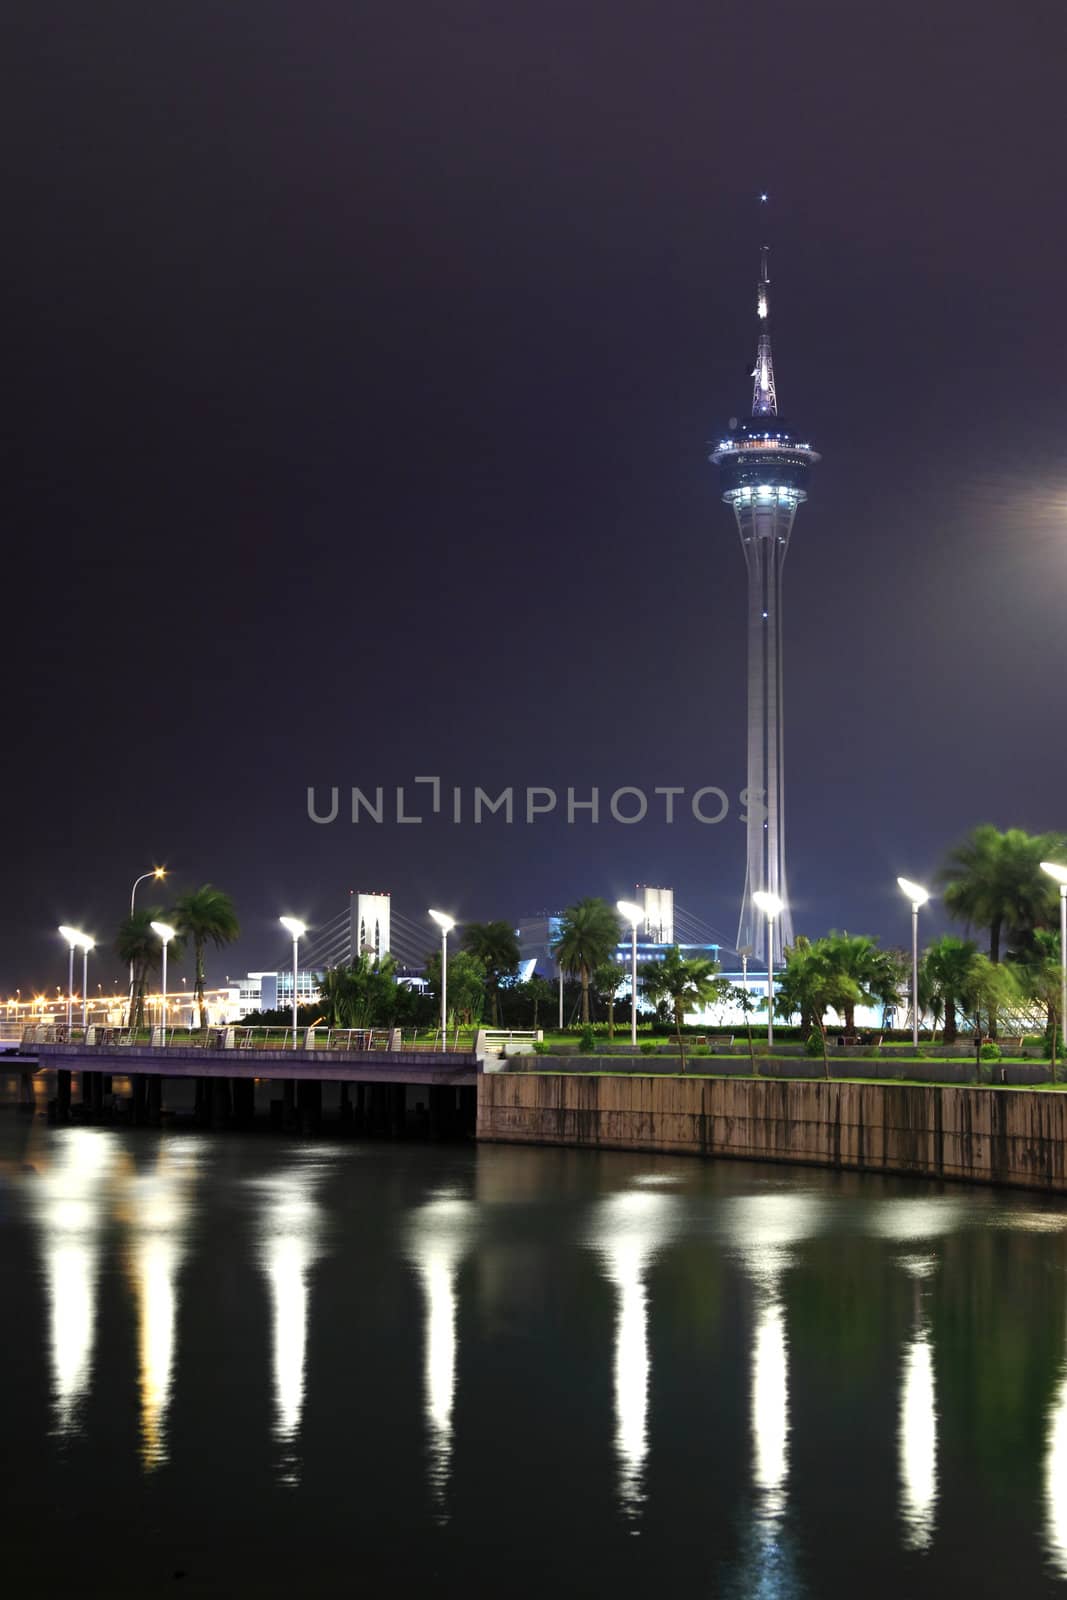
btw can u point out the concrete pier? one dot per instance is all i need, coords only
(1015, 1137)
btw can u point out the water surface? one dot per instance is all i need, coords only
(266, 1366)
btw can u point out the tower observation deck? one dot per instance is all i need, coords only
(764, 470)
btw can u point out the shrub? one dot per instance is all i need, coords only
(587, 1040)
(990, 1051)
(646, 1047)
(540, 1047)
(813, 1043)
(1046, 1044)
(701, 1050)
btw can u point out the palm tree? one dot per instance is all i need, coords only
(588, 934)
(138, 946)
(870, 976)
(493, 944)
(813, 985)
(994, 881)
(944, 975)
(789, 984)
(205, 916)
(684, 985)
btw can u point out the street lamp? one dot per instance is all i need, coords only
(1054, 870)
(77, 941)
(87, 945)
(166, 934)
(633, 914)
(446, 924)
(918, 897)
(156, 872)
(297, 929)
(771, 906)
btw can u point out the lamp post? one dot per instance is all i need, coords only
(1054, 870)
(633, 914)
(771, 906)
(76, 940)
(297, 929)
(166, 934)
(87, 945)
(446, 924)
(156, 872)
(918, 897)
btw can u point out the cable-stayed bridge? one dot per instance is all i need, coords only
(338, 941)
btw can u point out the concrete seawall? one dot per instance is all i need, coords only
(999, 1136)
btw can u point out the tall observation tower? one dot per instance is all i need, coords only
(764, 473)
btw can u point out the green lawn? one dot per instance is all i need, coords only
(754, 1077)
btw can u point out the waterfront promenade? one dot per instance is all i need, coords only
(988, 1133)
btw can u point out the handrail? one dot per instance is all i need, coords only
(461, 1038)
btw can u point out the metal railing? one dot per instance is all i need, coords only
(241, 1037)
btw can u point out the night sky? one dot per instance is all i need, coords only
(361, 365)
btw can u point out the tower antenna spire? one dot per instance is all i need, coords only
(764, 394)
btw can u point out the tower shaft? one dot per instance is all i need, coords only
(765, 531)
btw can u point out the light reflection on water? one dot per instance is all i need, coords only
(290, 1223)
(1056, 1480)
(628, 1232)
(70, 1211)
(763, 1231)
(918, 1418)
(918, 1443)
(439, 1235)
(157, 1206)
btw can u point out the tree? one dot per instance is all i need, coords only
(683, 985)
(589, 932)
(871, 976)
(539, 992)
(139, 947)
(362, 994)
(205, 916)
(816, 986)
(943, 977)
(994, 881)
(493, 944)
(466, 985)
(742, 998)
(607, 980)
(1040, 977)
(790, 986)
(988, 986)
